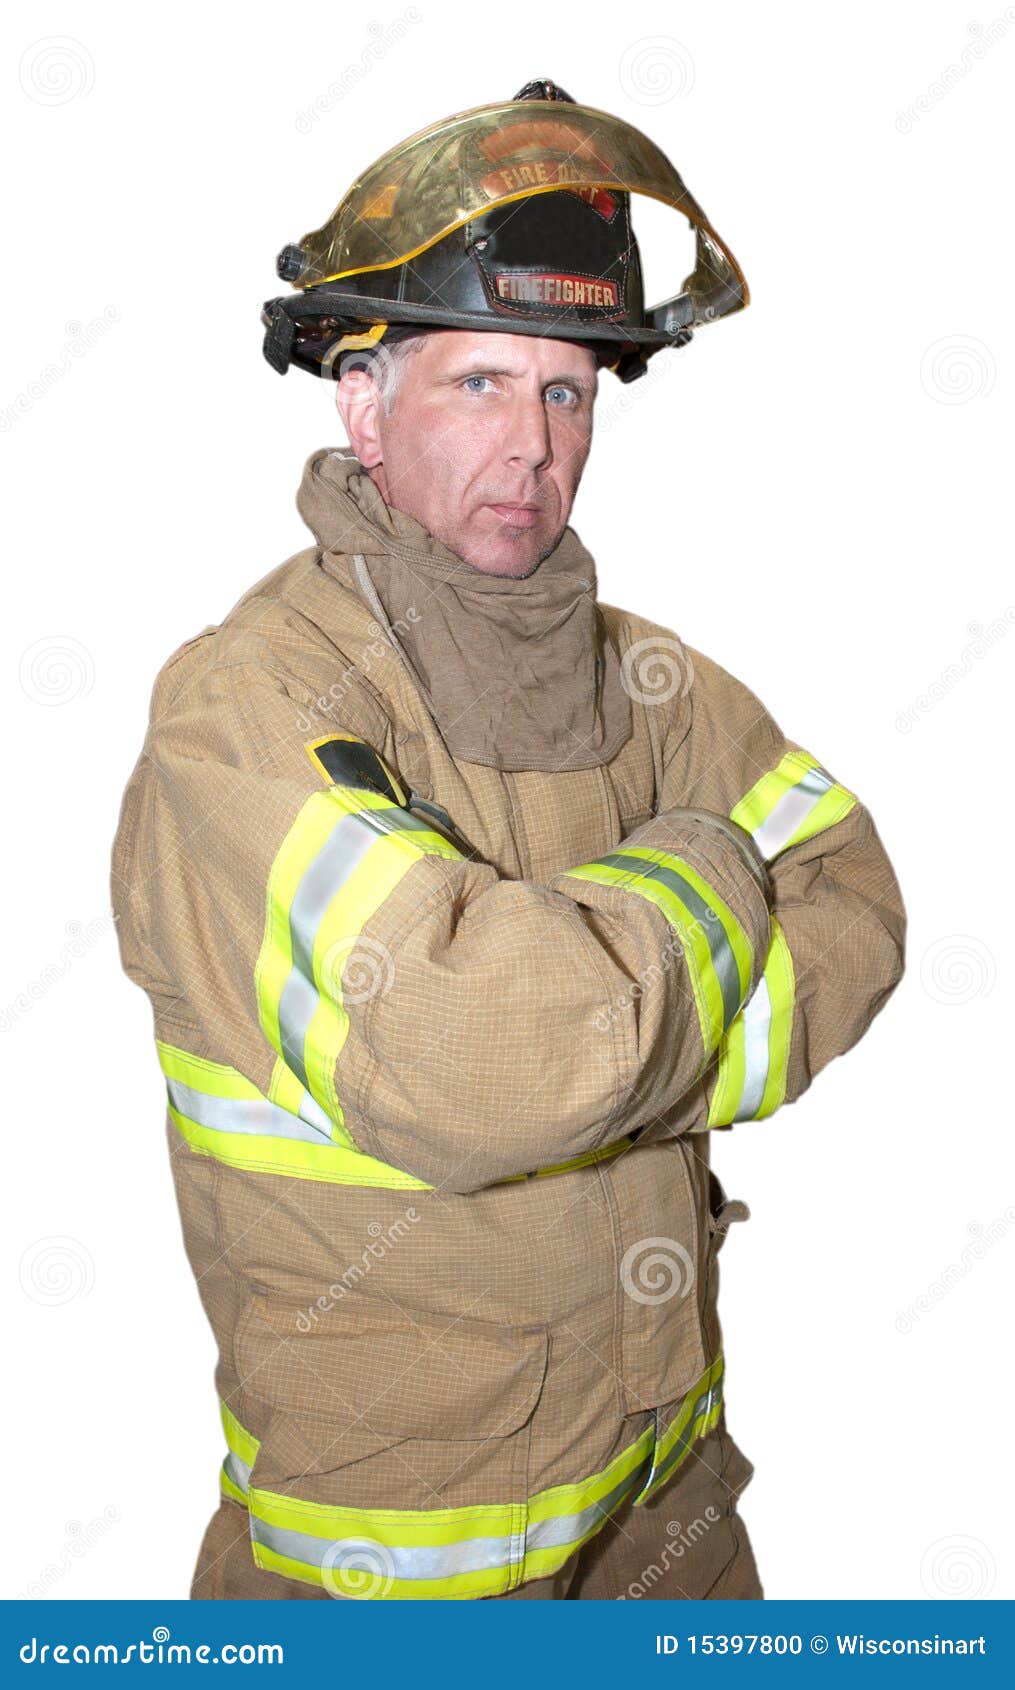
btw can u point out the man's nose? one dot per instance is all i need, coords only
(527, 438)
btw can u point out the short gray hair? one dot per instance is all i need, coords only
(386, 366)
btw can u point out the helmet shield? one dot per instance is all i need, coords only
(513, 216)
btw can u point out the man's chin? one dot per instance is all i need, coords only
(505, 553)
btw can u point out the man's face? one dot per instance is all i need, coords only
(485, 442)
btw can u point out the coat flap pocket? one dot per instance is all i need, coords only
(402, 1374)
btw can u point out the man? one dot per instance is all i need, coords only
(468, 906)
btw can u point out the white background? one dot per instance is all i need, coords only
(815, 492)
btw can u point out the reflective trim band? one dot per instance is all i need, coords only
(792, 803)
(341, 1565)
(753, 1061)
(344, 855)
(590, 1157)
(718, 952)
(242, 1453)
(586, 1160)
(697, 1415)
(246, 1115)
(221, 1114)
(457, 1553)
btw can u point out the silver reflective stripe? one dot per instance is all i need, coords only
(568, 1528)
(702, 1408)
(244, 1115)
(344, 849)
(436, 1561)
(311, 1112)
(238, 1471)
(723, 960)
(790, 811)
(757, 1027)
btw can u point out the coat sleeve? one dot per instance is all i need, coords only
(449, 1023)
(838, 925)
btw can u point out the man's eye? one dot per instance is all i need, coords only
(470, 379)
(562, 396)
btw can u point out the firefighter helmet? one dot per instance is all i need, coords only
(501, 218)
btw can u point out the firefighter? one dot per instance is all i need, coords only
(469, 907)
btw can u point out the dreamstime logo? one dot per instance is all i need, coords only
(356, 969)
(957, 1568)
(626, 395)
(957, 969)
(656, 669)
(358, 1567)
(378, 361)
(381, 42)
(957, 369)
(56, 670)
(55, 70)
(656, 69)
(381, 1241)
(80, 941)
(79, 1540)
(680, 1540)
(655, 1270)
(982, 642)
(673, 948)
(983, 1238)
(81, 337)
(56, 1270)
(307, 717)
(976, 49)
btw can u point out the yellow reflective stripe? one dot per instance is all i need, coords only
(395, 1528)
(215, 1078)
(367, 1579)
(464, 1552)
(333, 1164)
(791, 803)
(753, 1064)
(795, 801)
(312, 1156)
(729, 1078)
(696, 1416)
(343, 856)
(369, 885)
(779, 978)
(229, 1489)
(285, 1090)
(718, 952)
(736, 938)
(605, 1154)
(573, 1498)
(299, 848)
(239, 1440)
(706, 1002)
(234, 1476)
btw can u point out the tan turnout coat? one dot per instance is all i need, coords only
(444, 1356)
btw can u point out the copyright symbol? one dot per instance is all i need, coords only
(819, 1644)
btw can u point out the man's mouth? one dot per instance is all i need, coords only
(517, 515)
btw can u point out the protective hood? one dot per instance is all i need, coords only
(516, 673)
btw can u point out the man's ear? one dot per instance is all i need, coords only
(358, 397)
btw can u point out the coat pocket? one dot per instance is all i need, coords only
(376, 1407)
